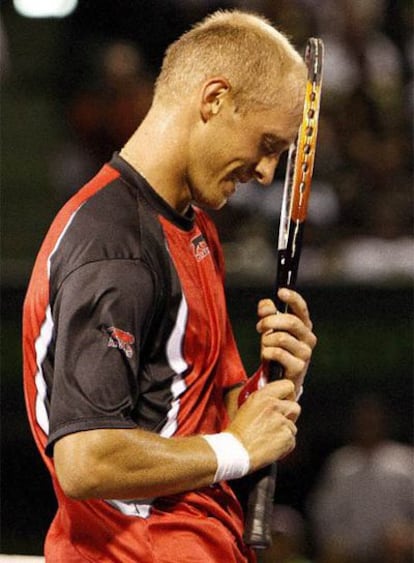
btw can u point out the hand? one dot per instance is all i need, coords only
(287, 338)
(265, 423)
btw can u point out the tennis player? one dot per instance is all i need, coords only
(131, 371)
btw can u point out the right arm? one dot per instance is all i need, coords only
(123, 461)
(134, 463)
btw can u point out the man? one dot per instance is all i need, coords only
(132, 375)
(362, 507)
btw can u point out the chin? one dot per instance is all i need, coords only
(212, 205)
(220, 205)
(208, 202)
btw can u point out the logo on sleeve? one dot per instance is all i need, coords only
(120, 339)
(200, 248)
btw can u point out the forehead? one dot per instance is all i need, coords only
(276, 127)
(284, 119)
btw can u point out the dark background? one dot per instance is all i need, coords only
(362, 308)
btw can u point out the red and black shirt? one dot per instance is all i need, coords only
(125, 326)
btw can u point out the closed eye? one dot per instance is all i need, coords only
(273, 145)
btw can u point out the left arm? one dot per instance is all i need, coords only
(287, 338)
(231, 400)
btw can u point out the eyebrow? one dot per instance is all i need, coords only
(272, 143)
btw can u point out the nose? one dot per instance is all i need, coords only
(265, 169)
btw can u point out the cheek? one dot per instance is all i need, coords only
(204, 153)
(210, 163)
(214, 154)
(202, 169)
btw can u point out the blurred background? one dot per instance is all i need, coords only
(76, 78)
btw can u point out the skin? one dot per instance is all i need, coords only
(204, 147)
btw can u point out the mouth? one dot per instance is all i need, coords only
(231, 187)
(241, 175)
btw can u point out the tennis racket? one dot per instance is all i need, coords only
(296, 192)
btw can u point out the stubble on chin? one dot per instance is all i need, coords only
(208, 198)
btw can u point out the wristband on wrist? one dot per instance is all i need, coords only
(232, 458)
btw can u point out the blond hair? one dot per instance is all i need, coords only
(259, 62)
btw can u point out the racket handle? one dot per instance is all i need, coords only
(274, 371)
(257, 531)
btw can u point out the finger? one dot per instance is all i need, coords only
(290, 409)
(282, 389)
(291, 445)
(296, 303)
(266, 307)
(292, 365)
(292, 427)
(298, 348)
(285, 322)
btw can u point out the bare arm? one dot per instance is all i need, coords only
(133, 463)
(231, 400)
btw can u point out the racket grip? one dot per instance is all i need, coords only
(257, 531)
(274, 371)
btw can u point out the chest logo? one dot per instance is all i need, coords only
(200, 248)
(120, 339)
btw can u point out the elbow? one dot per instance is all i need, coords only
(73, 489)
(75, 485)
(74, 472)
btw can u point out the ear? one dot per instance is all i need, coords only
(214, 93)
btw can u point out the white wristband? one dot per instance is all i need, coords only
(232, 457)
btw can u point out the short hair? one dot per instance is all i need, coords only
(261, 65)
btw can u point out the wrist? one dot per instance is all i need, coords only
(232, 458)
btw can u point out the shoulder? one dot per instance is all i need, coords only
(345, 462)
(97, 225)
(397, 458)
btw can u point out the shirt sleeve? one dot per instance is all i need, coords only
(101, 314)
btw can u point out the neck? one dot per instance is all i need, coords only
(157, 150)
